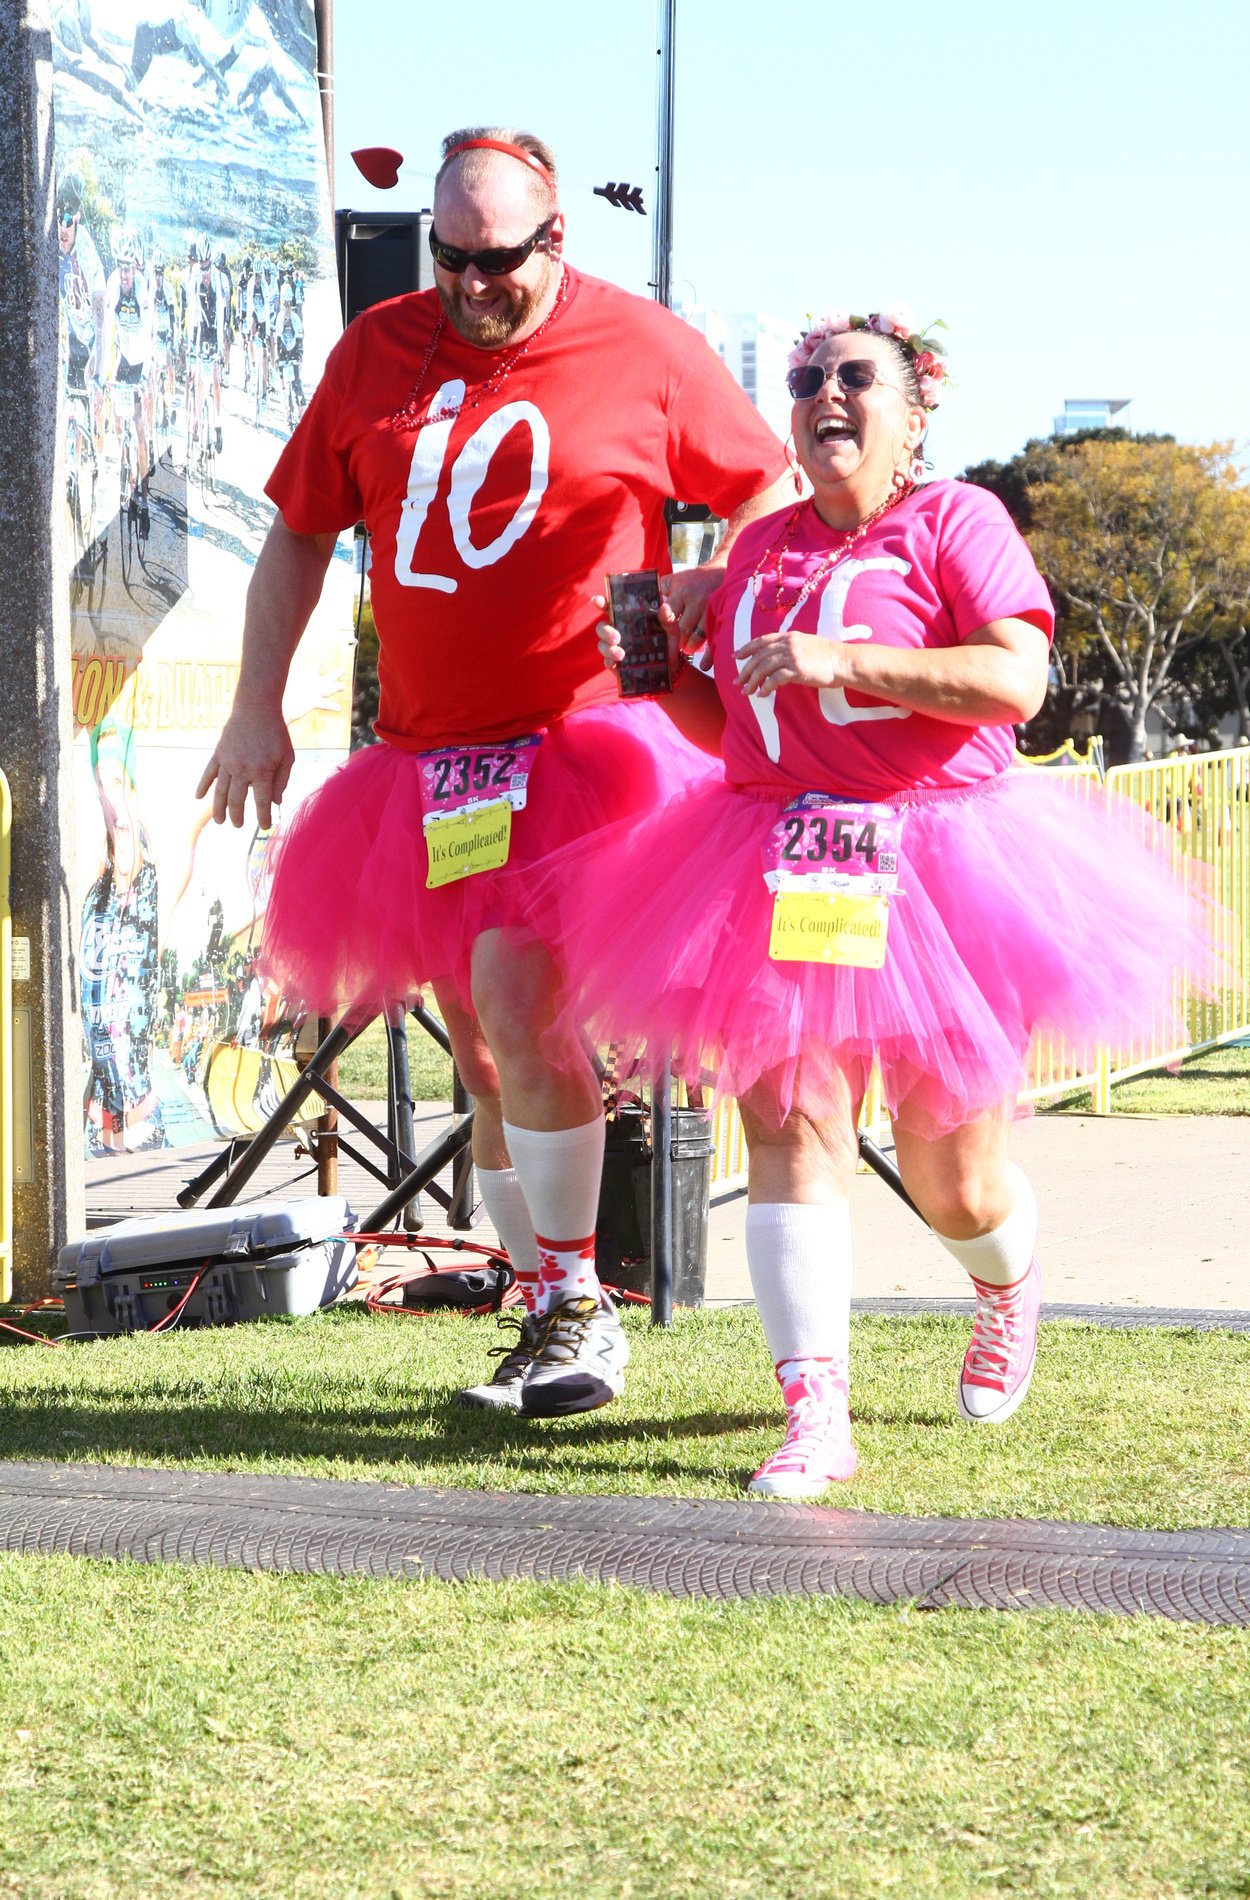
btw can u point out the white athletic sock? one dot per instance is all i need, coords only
(559, 1171)
(510, 1217)
(1005, 1254)
(800, 1262)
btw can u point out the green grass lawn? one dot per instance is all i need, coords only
(1215, 1083)
(362, 1066)
(1147, 1428)
(169, 1732)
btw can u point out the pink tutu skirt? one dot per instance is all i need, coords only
(1032, 904)
(350, 925)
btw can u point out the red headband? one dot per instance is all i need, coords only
(500, 145)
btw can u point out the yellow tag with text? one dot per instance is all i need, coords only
(475, 839)
(829, 927)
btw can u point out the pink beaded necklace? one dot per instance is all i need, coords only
(774, 555)
(407, 417)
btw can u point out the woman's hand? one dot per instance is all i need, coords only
(995, 676)
(788, 659)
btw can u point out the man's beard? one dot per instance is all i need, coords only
(494, 328)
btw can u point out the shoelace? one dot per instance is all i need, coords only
(514, 1357)
(995, 1335)
(808, 1435)
(564, 1328)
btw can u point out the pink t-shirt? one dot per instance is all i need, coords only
(943, 563)
(493, 527)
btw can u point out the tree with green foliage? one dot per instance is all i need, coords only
(1145, 545)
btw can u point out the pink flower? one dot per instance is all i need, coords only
(896, 322)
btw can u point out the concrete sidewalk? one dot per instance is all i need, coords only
(1136, 1211)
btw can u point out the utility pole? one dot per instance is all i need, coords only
(662, 242)
(36, 727)
(662, 1072)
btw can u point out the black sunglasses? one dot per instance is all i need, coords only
(852, 378)
(496, 263)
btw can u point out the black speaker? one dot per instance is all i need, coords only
(381, 254)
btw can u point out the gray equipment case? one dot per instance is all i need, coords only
(272, 1257)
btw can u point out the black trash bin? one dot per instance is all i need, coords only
(623, 1231)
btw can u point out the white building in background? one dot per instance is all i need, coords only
(1091, 412)
(755, 349)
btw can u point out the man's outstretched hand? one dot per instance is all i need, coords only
(254, 754)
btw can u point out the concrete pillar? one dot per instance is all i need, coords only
(35, 704)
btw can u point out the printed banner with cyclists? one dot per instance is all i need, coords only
(198, 302)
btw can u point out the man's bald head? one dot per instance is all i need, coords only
(484, 169)
(490, 202)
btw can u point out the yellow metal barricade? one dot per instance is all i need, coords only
(1204, 804)
(6, 1048)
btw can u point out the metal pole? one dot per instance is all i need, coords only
(36, 725)
(662, 1195)
(460, 1212)
(882, 1165)
(304, 1086)
(328, 1124)
(662, 1080)
(323, 12)
(399, 1109)
(662, 251)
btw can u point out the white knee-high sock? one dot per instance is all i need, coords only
(559, 1171)
(510, 1217)
(1005, 1254)
(800, 1262)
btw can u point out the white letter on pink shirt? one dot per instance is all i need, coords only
(833, 701)
(829, 626)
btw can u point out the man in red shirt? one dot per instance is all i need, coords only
(509, 439)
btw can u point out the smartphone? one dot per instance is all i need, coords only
(649, 665)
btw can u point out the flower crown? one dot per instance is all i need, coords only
(925, 351)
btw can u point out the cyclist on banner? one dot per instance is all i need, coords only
(227, 329)
(206, 318)
(269, 287)
(289, 342)
(128, 349)
(243, 319)
(164, 338)
(258, 331)
(82, 294)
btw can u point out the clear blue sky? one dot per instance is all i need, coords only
(1066, 184)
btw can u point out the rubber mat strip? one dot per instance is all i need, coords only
(685, 1548)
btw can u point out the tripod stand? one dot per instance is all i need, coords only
(407, 1176)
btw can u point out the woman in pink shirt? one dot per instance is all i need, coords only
(874, 884)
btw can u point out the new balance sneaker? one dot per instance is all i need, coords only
(816, 1453)
(999, 1361)
(502, 1391)
(581, 1359)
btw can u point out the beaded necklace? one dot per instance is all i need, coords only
(407, 416)
(774, 555)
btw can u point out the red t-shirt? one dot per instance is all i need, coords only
(492, 529)
(945, 562)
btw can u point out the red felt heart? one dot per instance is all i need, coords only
(379, 165)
